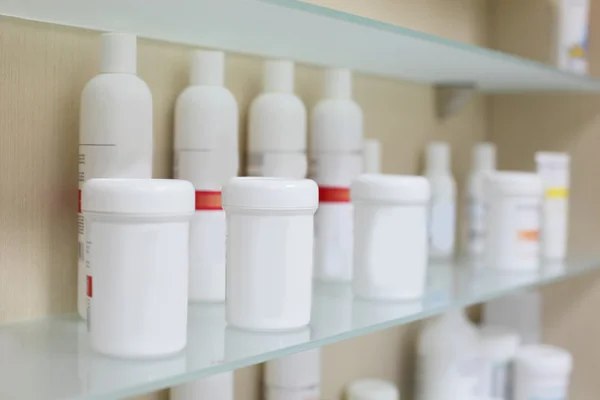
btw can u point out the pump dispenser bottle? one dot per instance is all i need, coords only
(277, 126)
(442, 215)
(336, 154)
(206, 154)
(115, 133)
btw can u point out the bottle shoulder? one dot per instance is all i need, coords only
(277, 101)
(116, 84)
(207, 96)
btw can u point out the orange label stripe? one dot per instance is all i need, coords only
(529, 235)
(334, 195)
(208, 200)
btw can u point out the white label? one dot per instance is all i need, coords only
(292, 164)
(498, 381)
(94, 162)
(458, 380)
(442, 220)
(476, 215)
(336, 169)
(528, 229)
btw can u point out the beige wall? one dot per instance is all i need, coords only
(522, 124)
(43, 69)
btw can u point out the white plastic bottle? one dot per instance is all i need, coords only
(336, 129)
(572, 41)
(277, 126)
(294, 377)
(115, 130)
(449, 363)
(213, 387)
(484, 162)
(206, 154)
(442, 214)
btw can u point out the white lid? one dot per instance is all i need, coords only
(138, 196)
(207, 68)
(514, 183)
(500, 342)
(337, 83)
(270, 193)
(438, 157)
(278, 76)
(217, 387)
(554, 158)
(390, 188)
(372, 389)
(484, 157)
(372, 156)
(296, 371)
(118, 54)
(543, 359)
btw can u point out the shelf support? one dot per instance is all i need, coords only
(451, 99)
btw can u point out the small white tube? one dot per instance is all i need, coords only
(214, 387)
(553, 169)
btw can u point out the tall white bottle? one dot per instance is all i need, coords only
(213, 387)
(277, 126)
(449, 359)
(206, 154)
(442, 216)
(484, 162)
(115, 132)
(336, 154)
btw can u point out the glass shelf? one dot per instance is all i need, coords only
(50, 359)
(310, 34)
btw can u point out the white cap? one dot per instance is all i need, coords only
(207, 68)
(338, 83)
(553, 158)
(372, 389)
(297, 371)
(148, 197)
(438, 157)
(390, 188)
(219, 386)
(513, 183)
(372, 156)
(270, 194)
(542, 359)
(484, 157)
(118, 53)
(278, 76)
(500, 343)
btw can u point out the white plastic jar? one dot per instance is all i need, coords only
(217, 387)
(269, 251)
(553, 169)
(390, 239)
(294, 377)
(542, 373)
(513, 218)
(137, 249)
(372, 389)
(499, 346)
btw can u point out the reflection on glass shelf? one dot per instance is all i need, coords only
(307, 33)
(51, 359)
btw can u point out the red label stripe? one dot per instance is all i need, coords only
(79, 200)
(334, 195)
(208, 200)
(89, 286)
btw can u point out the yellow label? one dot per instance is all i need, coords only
(557, 193)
